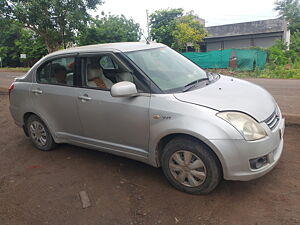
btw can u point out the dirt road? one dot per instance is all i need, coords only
(6, 78)
(39, 188)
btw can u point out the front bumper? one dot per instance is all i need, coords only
(235, 154)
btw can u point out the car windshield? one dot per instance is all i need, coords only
(169, 70)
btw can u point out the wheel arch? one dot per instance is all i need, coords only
(167, 138)
(25, 118)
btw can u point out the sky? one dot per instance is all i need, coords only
(215, 12)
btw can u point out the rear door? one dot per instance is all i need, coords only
(55, 95)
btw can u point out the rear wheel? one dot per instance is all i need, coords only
(39, 134)
(190, 166)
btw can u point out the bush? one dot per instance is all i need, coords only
(289, 71)
(283, 62)
(277, 54)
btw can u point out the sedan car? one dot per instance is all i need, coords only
(149, 103)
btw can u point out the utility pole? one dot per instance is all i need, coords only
(148, 27)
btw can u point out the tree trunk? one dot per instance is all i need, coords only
(52, 47)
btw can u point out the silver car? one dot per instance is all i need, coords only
(149, 103)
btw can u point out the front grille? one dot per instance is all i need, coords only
(273, 120)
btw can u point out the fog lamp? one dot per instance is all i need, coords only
(258, 162)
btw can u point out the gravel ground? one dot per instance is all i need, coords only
(39, 188)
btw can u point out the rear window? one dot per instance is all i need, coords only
(59, 71)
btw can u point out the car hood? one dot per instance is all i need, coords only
(234, 94)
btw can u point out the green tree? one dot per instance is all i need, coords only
(290, 10)
(9, 33)
(110, 28)
(162, 24)
(55, 21)
(284, 62)
(277, 54)
(280, 54)
(295, 42)
(188, 31)
(30, 44)
(14, 40)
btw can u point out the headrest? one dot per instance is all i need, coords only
(56, 68)
(94, 71)
(125, 76)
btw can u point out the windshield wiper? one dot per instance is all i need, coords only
(194, 84)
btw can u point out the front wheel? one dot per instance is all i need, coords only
(190, 166)
(39, 134)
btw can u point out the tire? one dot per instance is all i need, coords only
(39, 134)
(191, 166)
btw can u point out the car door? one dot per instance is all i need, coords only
(116, 124)
(55, 98)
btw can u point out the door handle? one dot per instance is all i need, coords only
(37, 91)
(84, 98)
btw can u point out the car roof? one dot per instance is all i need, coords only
(115, 47)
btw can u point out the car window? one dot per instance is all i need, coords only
(168, 69)
(103, 71)
(107, 63)
(59, 71)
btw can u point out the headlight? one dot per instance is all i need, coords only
(248, 127)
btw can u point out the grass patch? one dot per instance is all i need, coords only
(16, 69)
(289, 71)
(234, 73)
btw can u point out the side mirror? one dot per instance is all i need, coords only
(123, 89)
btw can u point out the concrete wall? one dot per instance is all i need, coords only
(266, 42)
(262, 34)
(243, 41)
(254, 27)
